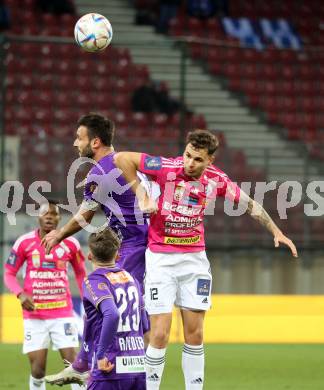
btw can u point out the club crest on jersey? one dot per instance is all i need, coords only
(36, 258)
(153, 163)
(102, 286)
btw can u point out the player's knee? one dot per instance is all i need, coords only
(159, 338)
(38, 372)
(194, 336)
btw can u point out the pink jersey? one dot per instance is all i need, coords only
(46, 277)
(178, 224)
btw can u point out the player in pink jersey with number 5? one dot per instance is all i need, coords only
(45, 296)
(177, 269)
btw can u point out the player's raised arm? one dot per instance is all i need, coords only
(75, 224)
(130, 163)
(258, 213)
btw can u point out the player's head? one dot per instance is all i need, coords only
(49, 216)
(201, 146)
(94, 132)
(103, 247)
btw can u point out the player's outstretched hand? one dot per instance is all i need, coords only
(279, 237)
(105, 365)
(50, 240)
(26, 301)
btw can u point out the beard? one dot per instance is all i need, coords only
(87, 152)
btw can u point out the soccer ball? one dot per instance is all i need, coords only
(93, 32)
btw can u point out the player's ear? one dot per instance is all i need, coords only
(211, 158)
(95, 142)
(90, 256)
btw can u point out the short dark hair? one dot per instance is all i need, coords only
(104, 245)
(98, 126)
(203, 139)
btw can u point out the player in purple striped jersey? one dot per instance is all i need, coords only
(106, 188)
(114, 324)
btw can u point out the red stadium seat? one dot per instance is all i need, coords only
(140, 120)
(176, 27)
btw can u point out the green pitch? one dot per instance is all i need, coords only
(228, 367)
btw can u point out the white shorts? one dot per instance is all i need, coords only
(39, 334)
(183, 279)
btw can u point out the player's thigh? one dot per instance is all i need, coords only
(195, 283)
(64, 333)
(68, 354)
(160, 329)
(36, 335)
(160, 284)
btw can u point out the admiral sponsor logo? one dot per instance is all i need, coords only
(48, 275)
(203, 287)
(181, 240)
(130, 364)
(152, 163)
(179, 218)
(50, 305)
(12, 258)
(57, 283)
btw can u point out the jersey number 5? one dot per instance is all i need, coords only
(128, 307)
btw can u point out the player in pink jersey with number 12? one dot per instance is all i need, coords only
(45, 296)
(177, 269)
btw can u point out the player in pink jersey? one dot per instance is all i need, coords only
(45, 296)
(177, 269)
